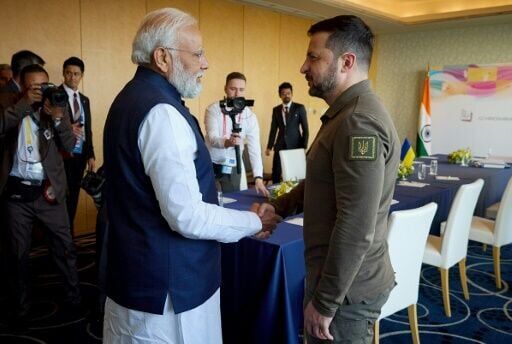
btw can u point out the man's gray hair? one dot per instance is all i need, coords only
(160, 28)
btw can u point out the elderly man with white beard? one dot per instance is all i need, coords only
(165, 225)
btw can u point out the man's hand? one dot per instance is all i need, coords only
(316, 324)
(78, 130)
(56, 112)
(269, 219)
(260, 187)
(267, 152)
(234, 140)
(91, 164)
(33, 94)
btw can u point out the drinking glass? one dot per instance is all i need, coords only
(433, 167)
(422, 171)
(220, 198)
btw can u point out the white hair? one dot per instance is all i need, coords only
(159, 28)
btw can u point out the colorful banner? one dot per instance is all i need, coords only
(471, 107)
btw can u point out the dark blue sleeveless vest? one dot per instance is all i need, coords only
(146, 258)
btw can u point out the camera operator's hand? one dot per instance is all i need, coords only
(56, 112)
(260, 187)
(269, 219)
(33, 94)
(234, 140)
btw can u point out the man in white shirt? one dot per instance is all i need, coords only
(221, 141)
(165, 226)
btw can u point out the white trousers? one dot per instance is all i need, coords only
(197, 326)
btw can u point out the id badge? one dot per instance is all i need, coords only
(35, 171)
(229, 162)
(78, 146)
(226, 169)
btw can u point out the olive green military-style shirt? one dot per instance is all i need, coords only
(350, 180)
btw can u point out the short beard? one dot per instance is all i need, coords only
(327, 85)
(186, 83)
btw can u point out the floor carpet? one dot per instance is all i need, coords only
(485, 318)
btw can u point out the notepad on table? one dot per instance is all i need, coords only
(411, 184)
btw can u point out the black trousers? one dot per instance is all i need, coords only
(276, 168)
(21, 217)
(75, 167)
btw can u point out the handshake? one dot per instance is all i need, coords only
(269, 219)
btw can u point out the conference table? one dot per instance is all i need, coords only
(263, 280)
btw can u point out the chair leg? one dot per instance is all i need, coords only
(413, 323)
(445, 286)
(376, 330)
(463, 278)
(497, 267)
(484, 247)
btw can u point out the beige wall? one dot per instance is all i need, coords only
(267, 46)
(403, 59)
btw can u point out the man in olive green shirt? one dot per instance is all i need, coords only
(350, 179)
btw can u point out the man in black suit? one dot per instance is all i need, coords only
(80, 116)
(36, 185)
(290, 122)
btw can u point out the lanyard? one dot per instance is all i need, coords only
(238, 119)
(28, 135)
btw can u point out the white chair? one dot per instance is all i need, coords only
(496, 233)
(408, 231)
(293, 163)
(492, 211)
(451, 248)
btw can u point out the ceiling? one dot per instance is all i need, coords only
(387, 16)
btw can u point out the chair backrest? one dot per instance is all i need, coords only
(408, 232)
(293, 163)
(503, 224)
(456, 234)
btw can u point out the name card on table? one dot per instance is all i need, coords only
(227, 200)
(299, 221)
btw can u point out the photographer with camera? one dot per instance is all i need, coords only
(221, 140)
(36, 184)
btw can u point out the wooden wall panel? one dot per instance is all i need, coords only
(222, 26)
(261, 67)
(50, 28)
(108, 28)
(293, 45)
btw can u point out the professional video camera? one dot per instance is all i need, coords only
(236, 106)
(56, 96)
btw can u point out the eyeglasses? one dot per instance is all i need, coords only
(197, 54)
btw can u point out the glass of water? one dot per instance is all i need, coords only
(433, 167)
(422, 171)
(220, 198)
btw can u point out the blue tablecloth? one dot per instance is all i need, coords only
(262, 283)
(263, 280)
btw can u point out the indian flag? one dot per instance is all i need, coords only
(423, 146)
